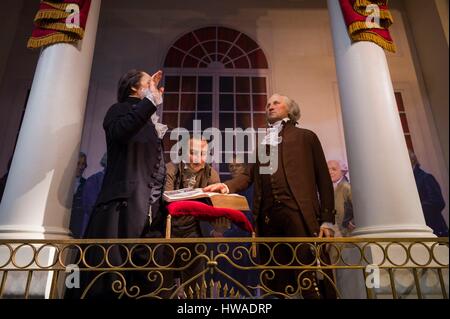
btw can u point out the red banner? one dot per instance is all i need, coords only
(368, 21)
(59, 21)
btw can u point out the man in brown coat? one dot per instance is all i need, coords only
(295, 200)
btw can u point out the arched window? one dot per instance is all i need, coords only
(218, 75)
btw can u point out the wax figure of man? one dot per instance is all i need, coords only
(129, 202)
(193, 173)
(296, 200)
(431, 198)
(342, 199)
(76, 216)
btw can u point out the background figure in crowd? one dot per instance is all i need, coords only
(430, 197)
(296, 200)
(344, 224)
(130, 201)
(195, 173)
(76, 216)
(91, 190)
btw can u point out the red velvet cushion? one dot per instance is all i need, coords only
(209, 213)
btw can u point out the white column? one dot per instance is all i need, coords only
(38, 195)
(385, 198)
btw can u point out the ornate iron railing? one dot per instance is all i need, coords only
(225, 268)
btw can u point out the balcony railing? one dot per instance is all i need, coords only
(225, 268)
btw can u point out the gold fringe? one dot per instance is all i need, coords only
(362, 3)
(358, 26)
(373, 37)
(58, 26)
(50, 14)
(59, 6)
(34, 43)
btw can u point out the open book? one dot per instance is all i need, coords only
(233, 201)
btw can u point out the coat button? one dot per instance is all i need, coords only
(157, 165)
(150, 185)
(159, 157)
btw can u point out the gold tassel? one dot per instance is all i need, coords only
(168, 226)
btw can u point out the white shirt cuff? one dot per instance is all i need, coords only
(155, 98)
(327, 225)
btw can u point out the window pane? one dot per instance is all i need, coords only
(172, 84)
(259, 120)
(243, 102)
(258, 59)
(226, 84)
(187, 102)
(241, 63)
(409, 142)
(186, 120)
(404, 123)
(245, 43)
(170, 119)
(259, 85)
(170, 102)
(259, 103)
(206, 119)
(190, 62)
(243, 120)
(189, 84)
(235, 53)
(399, 99)
(168, 143)
(226, 102)
(205, 84)
(204, 102)
(242, 84)
(226, 120)
(244, 142)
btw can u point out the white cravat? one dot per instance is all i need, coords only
(272, 137)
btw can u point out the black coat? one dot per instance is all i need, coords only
(432, 201)
(134, 156)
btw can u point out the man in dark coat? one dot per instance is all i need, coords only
(294, 200)
(76, 215)
(430, 197)
(129, 203)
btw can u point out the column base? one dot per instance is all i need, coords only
(405, 231)
(24, 232)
